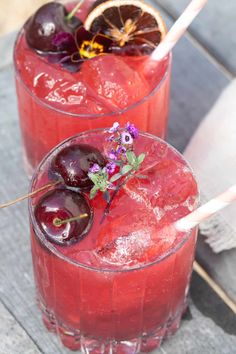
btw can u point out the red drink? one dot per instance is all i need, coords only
(123, 287)
(55, 104)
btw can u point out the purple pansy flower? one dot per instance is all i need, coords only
(66, 48)
(114, 128)
(110, 167)
(132, 130)
(95, 168)
(71, 50)
(90, 45)
(126, 138)
(64, 42)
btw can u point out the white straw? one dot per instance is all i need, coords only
(209, 209)
(178, 29)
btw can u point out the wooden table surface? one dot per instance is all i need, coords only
(204, 63)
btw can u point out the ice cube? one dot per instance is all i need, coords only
(111, 79)
(127, 249)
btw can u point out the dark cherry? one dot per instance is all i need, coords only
(73, 163)
(48, 20)
(63, 204)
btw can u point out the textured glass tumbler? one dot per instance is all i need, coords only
(52, 104)
(109, 310)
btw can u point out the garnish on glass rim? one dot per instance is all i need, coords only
(73, 50)
(84, 167)
(121, 159)
(135, 27)
(49, 20)
(132, 29)
(57, 34)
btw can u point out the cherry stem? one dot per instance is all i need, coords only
(108, 206)
(58, 222)
(74, 10)
(20, 199)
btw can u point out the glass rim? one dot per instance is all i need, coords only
(90, 116)
(57, 253)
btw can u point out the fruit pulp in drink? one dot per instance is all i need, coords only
(55, 104)
(124, 286)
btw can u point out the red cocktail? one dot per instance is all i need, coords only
(117, 282)
(55, 102)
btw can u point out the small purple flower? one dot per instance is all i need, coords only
(111, 138)
(112, 155)
(126, 138)
(121, 150)
(110, 167)
(114, 128)
(95, 168)
(132, 130)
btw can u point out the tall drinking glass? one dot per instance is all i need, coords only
(124, 286)
(55, 104)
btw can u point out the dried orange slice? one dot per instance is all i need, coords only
(129, 23)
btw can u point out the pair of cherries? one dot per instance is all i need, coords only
(70, 166)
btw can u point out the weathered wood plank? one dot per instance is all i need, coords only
(211, 305)
(13, 338)
(214, 28)
(199, 335)
(196, 84)
(221, 266)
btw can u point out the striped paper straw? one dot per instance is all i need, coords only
(209, 209)
(178, 29)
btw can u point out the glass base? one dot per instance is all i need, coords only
(77, 342)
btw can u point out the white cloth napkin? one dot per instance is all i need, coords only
(212, 154)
